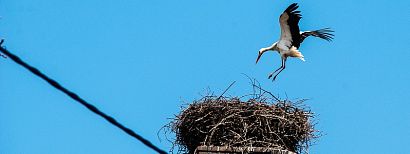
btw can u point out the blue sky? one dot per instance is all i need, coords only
(139, 61)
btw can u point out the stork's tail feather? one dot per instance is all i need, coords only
(294, 52)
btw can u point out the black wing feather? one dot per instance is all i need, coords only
(293, 22)
(325, 33)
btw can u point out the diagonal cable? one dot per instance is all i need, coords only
(77, 98)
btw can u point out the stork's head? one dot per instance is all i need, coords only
(263, 50)
(259, 55)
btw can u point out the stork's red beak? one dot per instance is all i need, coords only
(259, 56)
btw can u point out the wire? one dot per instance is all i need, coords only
(77, 98)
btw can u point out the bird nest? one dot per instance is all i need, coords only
(257, 122)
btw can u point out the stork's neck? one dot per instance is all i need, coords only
(272, 47)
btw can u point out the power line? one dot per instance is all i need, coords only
(77, 98)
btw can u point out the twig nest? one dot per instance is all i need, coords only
(220, 121)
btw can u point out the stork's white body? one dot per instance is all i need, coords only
(291, 38)
(285, 52)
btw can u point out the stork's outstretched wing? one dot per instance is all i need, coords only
(290, 34)
(325, 33)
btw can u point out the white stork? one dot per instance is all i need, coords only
(291, 37)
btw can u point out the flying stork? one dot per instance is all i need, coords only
(291, 37)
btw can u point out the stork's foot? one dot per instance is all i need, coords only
(274, 78)
(270, 75)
